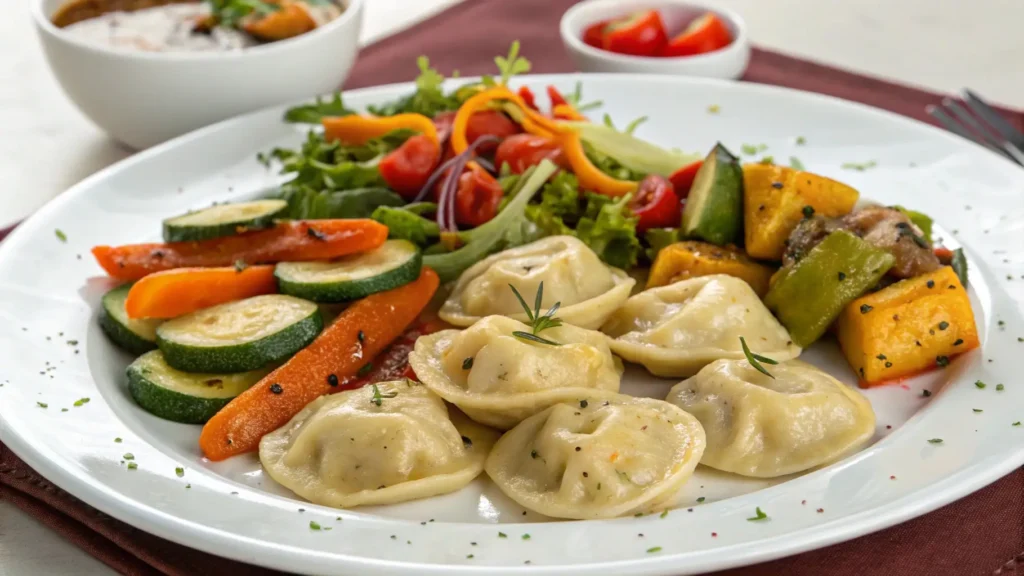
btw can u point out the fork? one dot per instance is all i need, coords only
(985, 126)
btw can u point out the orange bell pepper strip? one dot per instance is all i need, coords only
(177, 292)
(567, 112)
(532, 121)
(292, 240)
(589, 176)
(358, 129)
(362, 332)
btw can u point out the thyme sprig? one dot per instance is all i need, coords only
(538, 322)
(756, 359)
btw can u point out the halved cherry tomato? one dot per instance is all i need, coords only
(524, 150)
(593, 35)
(477, 197)
(490, 123)
(639, 34)
(705, 34)
(682, 179)
(656, 204)
(407, 168)
(527, 95)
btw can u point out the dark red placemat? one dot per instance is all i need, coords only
(981, 535)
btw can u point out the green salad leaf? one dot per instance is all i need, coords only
(313, 113)
(230, 12)
(632, 153)
(609, 228)
(660, 238)
(406, 224)
(429, 98)
(308, 204)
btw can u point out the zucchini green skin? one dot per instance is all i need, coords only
(246, 356)
(174, 405)
(714, 208)
(345, 290)
(116, 325)
(175, 231)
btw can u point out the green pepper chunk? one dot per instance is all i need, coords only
(919, 219)
(809, 295)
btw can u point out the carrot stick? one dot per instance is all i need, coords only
(176, 292)
(294, 240)
(338, 351)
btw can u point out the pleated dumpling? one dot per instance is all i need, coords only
(382, 445)
(499, 379)
(765, 427)
(678, 329)
(588, 290)
(603, 456)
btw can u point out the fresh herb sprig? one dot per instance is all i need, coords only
(512, 64)
(378, 396)
(756, 359)
(230, 12)
(321, 108)
(538, 322)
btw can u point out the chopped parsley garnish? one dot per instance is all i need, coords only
(61, 235)
(526, 536)
(759, 515)
(179, 472)
(795, 163)
(935, 441)
(538, 322)
(800, 140)
(700, 499)
(714, 109)
(365, 369)
(469, 556)
(942, 361)
(1000, 387)
(128, 456)
(81, 402)
(1017, 423)
(314, 525)
(42, 404)
(378, 396)
(654, 550)
(133, 466)
(977, 410)
(865, 308)
(808, 211)
(979, 384)
(118, 440)
(858, 166)
(756, 359)
(467, 363)
(664, 513)
(502, 535)
(749, 149)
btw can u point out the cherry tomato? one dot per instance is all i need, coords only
(477, 197)
(593, 35)
(639, 34)
(443, 124)
(682, 179)
(656, 204)
(490, 123)
(524, 150)
(527, 95)
(705, 34)
(407, 168)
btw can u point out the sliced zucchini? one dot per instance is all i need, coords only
(223, 220)
(714, 208)
(239, 336)
(395, 263)
(134, 335)
(180, 396)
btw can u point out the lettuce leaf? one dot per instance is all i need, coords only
(609, 228)
(632, 153)
(309, 204)
(659, 238)
(313, 113)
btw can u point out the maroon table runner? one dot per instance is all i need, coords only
(981, 535)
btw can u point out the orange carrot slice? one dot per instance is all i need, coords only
(294, 240)
(289, 21)
(176, 292)
(362, 331)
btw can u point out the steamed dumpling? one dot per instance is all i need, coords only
(588, 290)
(344, 450)
(498, 379)
(678, 329)
(763, 427)
(602, 456)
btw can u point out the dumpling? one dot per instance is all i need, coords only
(602, 456)
(382, 445)
(499, 379)
(678, 329)
(588, 290)
(763, 427)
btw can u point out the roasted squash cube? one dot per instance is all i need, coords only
(775, 199)
(691, 259)
(908, 327)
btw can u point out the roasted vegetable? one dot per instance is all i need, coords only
(714, 206)
(908, 327)
(777, 198)
(807, 296)
(690, 259)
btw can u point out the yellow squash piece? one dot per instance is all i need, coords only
(774, 201)
(691, 259)
(908, 327)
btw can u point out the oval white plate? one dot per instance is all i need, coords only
(52, 352)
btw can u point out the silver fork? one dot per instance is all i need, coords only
(985, 126)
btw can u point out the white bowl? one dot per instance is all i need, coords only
(144, 98)
(728, 63)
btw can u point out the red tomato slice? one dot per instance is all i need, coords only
(524, 150)
(705, 34)
(490, 123)
(656, 204)
(477, 197)
(639, 34)
(682, 179)
(407, 168)
(593, 35)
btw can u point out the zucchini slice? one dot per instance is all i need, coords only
(239, 336)
(714, 208)
(223, 220)
(182, 397)
(134, 335)
(395, 263)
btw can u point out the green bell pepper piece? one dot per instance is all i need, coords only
(809, 295)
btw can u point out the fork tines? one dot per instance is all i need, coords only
(979, 122)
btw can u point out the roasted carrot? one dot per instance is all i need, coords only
(176, 292)
(289, 21)
(340, 352)
(294, 240)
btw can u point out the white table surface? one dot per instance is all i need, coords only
(46, 145)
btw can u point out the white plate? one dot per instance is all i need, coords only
(49, 292)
